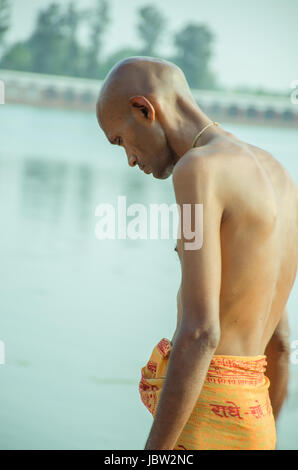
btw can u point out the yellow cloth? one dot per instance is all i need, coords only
(233, 410)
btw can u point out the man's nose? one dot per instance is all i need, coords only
(132, 160)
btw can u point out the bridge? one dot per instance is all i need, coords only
(81, 94)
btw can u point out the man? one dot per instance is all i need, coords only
(206, 388)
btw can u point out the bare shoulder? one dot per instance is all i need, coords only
(238, 173)
(197, 165)
(206, 169)
(192, 159)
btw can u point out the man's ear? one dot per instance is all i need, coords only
(143, 107)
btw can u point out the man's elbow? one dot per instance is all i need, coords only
(205, 334)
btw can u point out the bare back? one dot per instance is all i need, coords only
(259, 244)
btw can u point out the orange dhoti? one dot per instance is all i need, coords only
(233, 410)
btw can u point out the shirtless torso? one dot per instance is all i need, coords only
(259, 244)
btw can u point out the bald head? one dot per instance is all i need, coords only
(151, 77)
(140, 104)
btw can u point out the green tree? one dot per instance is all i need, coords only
(47, 42)
(150, 26)
(4, 18)
(17, 57)
(73, 51)
(194, 48)
(99, 20)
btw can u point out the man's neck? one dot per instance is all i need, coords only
(189, 121)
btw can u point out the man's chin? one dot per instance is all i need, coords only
(164, 175)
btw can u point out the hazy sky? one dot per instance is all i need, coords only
(256, 41)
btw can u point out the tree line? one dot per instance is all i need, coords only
(53, 47)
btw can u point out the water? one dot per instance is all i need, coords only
(80, 316)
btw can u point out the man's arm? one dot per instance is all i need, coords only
(198, 333)
(278, 353)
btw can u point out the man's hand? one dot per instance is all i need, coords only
(199, 330)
